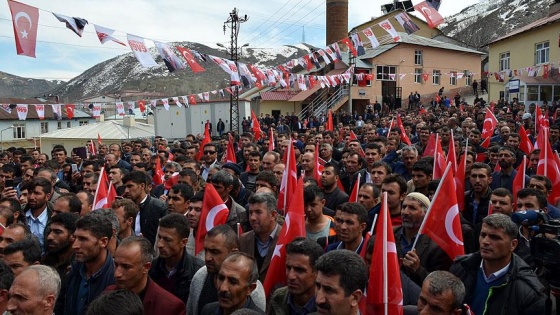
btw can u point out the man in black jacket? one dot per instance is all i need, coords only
(174, 269)
(151, 209)
(496, 280)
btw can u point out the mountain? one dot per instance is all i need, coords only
(14, 86)
(125, 73)
(479, 24)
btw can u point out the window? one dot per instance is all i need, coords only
(44, 127)
(362, 82)
(504, 61)
(468, 77)
(453, 78)
(418, 60)
(436, 77)
(59, 125)
(385, 73)
(418, 75)
(83, 122)
(68, 124)
(19, 131)
(542, 53)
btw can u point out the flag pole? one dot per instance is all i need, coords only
(385, 262)
(545, 151)
(390, 126)
(431, 205)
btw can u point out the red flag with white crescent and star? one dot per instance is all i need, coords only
(294, 226)
(430, 13)
(186, 53)
(230, 151)
(442, 222)
(490, 123)
(70, 110)
(384, 291)
(25, 20)
(214, 212)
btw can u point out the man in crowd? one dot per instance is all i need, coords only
(174, 269)
(223, 182)
(478, 199)
(93, 269)
(333, 195)
(442, 293)
(22, 254)
(34, 291)
(338, 291)
(39, 211)
(126, 211)
(59, 252)
(219, 242)
(495, 274)
(260, 242)
(299, 294)
(150, 209)
(351, 221)
(133, 260)
(236, 280)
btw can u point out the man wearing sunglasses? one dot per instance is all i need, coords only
(209, 159)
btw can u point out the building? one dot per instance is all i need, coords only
(26, 133)
(112, 131)
(520, 60)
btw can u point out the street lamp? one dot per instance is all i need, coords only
(2, 136)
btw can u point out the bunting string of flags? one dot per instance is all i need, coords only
(25, 22)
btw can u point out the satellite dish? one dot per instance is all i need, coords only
(90, 106)
(12, 106)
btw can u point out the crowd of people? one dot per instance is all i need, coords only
(61, 255)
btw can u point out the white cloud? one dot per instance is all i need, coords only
(271, 24)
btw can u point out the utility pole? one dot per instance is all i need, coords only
(233, 22)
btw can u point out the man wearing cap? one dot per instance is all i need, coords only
(427, 256)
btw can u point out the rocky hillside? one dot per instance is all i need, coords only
(14, 86)
(481, 23)
(124, 72)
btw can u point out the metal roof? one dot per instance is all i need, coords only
(111, 130)
(424, 41)
(374, 52)
(278, 95)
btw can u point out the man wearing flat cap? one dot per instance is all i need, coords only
(427, 256)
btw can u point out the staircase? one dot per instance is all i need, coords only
(329, 98)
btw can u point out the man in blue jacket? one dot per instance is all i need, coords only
(93, 269)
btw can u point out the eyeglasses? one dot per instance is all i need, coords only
(209, 152)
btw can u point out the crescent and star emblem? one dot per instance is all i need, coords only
(28, 18)
(452, 213)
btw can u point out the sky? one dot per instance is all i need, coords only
(62, 55)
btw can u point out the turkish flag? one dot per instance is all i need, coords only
(142, 106)
(92, 148)
(425, 76)
(384, 291)
(40, 108)
(525, 144)
(330, 123)
(214, 212)
(270, 140)
(430, 146)
(99, 139)
(105, 193)
(549, 163)
(294, 226)
(442, 222)
(230, 151)
(256, 126)
(451, 154)
(490, 123)
(355, 189)
(157, 178)
(348, 42)
(519, 180)
(70, 110)
(186, 53)
(289, 179)
(430, 13)
(25, 20)
(171, 181)
(439, 160)
(192, 99)
(404, 137)
(207, 139)
(460, 180)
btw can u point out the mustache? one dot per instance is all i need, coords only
(224, 295)
(324, 306)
